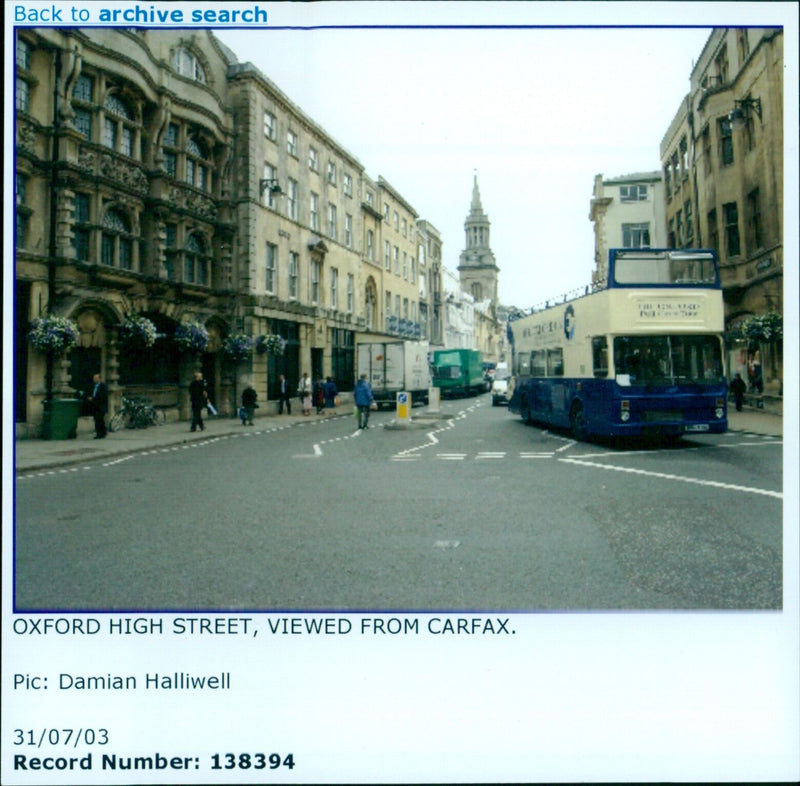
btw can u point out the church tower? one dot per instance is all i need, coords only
(477, 268)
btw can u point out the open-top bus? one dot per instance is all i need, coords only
(641, 356)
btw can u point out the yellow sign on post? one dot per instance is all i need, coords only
(403, 407)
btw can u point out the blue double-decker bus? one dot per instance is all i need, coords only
(641, 355)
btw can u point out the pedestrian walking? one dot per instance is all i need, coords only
(283, 396)
(738, 388)
(198, 395)
(304, 392)
(330, 394)
(362, 395)
(249, 405)
(319, 396)
(758, 379)
(99, 404)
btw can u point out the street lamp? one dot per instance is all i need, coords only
(269, 184)
(741, 111)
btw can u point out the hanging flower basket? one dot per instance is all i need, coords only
(275, 344)
(191, 337)
(766, 328)
(238, 347)
(138, 332)
(53, 335)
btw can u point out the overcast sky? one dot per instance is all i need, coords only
(537, 113)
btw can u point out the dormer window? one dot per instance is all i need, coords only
(186, 64)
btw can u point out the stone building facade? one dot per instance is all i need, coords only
(156, 176)
(627, 212)
(429, 259)
(299, 230)
(124, 206)
(722, 160)
(398, 246)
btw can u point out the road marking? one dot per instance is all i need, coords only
(489, 456)
(615, 453)
(447, 544)
(535, 455)
(667, 476)
(451, 456)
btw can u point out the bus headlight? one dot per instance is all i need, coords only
(625, 410)
(720, 410)
(625, 416)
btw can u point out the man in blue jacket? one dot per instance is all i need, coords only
(362, 395)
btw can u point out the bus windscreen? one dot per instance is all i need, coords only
(668, 360)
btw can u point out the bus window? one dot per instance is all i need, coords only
(555, 362)
(685, 268)
(600, 356)
(668, 360)
(523, 365)
(644, 359)
(539, 363)
(697, 359)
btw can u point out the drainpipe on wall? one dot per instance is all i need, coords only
(51, 253)
(690, 118)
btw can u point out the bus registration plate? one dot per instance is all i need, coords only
(697, 427)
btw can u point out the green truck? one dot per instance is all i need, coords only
(458, 372)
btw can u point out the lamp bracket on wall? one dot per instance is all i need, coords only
(269, 185)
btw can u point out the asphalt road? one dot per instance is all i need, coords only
(478, 512)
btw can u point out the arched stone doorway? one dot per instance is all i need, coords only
(153, 372)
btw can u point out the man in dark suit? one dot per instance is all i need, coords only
(99, 402)
(284, 396)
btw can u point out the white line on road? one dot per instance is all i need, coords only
(446, 544)
(666, 476)
(672, 450)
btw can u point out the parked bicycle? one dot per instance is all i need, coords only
(136, 413)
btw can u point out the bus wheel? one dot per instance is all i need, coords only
(577, 422)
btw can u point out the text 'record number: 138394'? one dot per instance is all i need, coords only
(251, 761)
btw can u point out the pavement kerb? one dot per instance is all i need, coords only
(167, 436)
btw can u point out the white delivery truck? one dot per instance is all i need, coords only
(393, 366)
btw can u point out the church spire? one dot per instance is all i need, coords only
(477, 267)
(476, 209)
